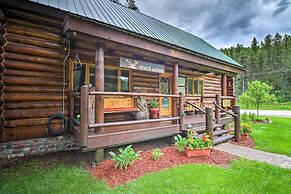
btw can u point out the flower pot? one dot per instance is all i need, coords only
(197, 152)
(154, 113)
(243, 136)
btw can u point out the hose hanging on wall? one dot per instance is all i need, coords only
(64, 124)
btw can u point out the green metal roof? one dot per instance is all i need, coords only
(119, 16)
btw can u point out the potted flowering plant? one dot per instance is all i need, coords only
(154, 109)
(197, 146)
(246, 130)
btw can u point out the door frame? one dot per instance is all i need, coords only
(166, 111)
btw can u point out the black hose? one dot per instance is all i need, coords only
(64, 124)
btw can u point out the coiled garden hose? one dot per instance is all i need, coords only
(64, 124)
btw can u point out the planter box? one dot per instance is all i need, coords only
(243, 137)
(197, 152)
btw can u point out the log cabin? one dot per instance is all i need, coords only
(92, 68)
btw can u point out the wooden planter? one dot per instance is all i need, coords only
(197, 152)
(244, 136)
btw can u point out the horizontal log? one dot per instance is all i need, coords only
(36, 17)
(31, 31)
(33, 50)
(34, 81)
(145, 75)
(16, 72)
(31, 113)
(34, 104)
(29, 122)
(22, 97)
(146, 80)
(33, 41)
(33, 89)
(141, 84)
(31, 66)
(148, 90)
(32, 59)
(29, 23)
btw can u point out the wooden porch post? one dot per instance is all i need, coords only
(236, 110)
(84, 116)
(175, 90)
(217, 113)
(223, 85)
(209, 122)
(181, 111)
(99, 83)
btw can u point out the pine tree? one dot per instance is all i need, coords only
(131, 5)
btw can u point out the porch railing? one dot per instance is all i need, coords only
(84, 122)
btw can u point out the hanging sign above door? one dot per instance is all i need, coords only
(141, 65)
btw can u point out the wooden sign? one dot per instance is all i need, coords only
(226, 103)
(141, 65)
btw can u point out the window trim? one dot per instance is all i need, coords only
(87, 73)
(193, 91)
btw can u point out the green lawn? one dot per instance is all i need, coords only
(241, 177)
(272, 106)
(274, 137)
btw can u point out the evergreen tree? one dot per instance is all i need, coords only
(268, 61)
(131, 5)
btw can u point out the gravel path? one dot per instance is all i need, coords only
(257, 155)
(275, 113)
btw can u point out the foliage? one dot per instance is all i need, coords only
(126, 158)
(258, 93)
(116, 1)
(271, 106)
(192, 141)
(154, 104)
(274, 137)
(196, 142)
(156, 154)
(180, 142)
(251, 176)
(268, 61)
(131, 5)
(253, 118)
(246, 128)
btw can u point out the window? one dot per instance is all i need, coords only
(182, 85)
(116, 79)
(195, 86)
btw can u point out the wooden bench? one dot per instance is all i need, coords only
(119, 105)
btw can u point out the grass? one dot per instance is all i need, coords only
(270, 106)
(274, 137)
(241, 177)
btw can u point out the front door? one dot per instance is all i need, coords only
(165, 88)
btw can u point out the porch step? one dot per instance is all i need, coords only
(216, 133)
(221, 139)
(225, 120)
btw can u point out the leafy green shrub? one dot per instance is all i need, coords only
(246, 128)
(156, 154)
(248, 118)
(126, 158)
(154, 104)
(180, 142)
(197, 142)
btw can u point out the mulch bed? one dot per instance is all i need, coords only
(171, 157)
(249, 142)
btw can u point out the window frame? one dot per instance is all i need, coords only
(87, 74)
(199, 80)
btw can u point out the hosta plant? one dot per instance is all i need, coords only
(126, 158)
(156, 154)
(180, 142)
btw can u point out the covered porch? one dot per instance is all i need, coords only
(106, 102)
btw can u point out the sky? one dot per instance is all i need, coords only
(223, 23)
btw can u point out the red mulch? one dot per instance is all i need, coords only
(249, 142)
(171, 157)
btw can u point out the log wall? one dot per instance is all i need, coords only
(33, 76)
(230, 86)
